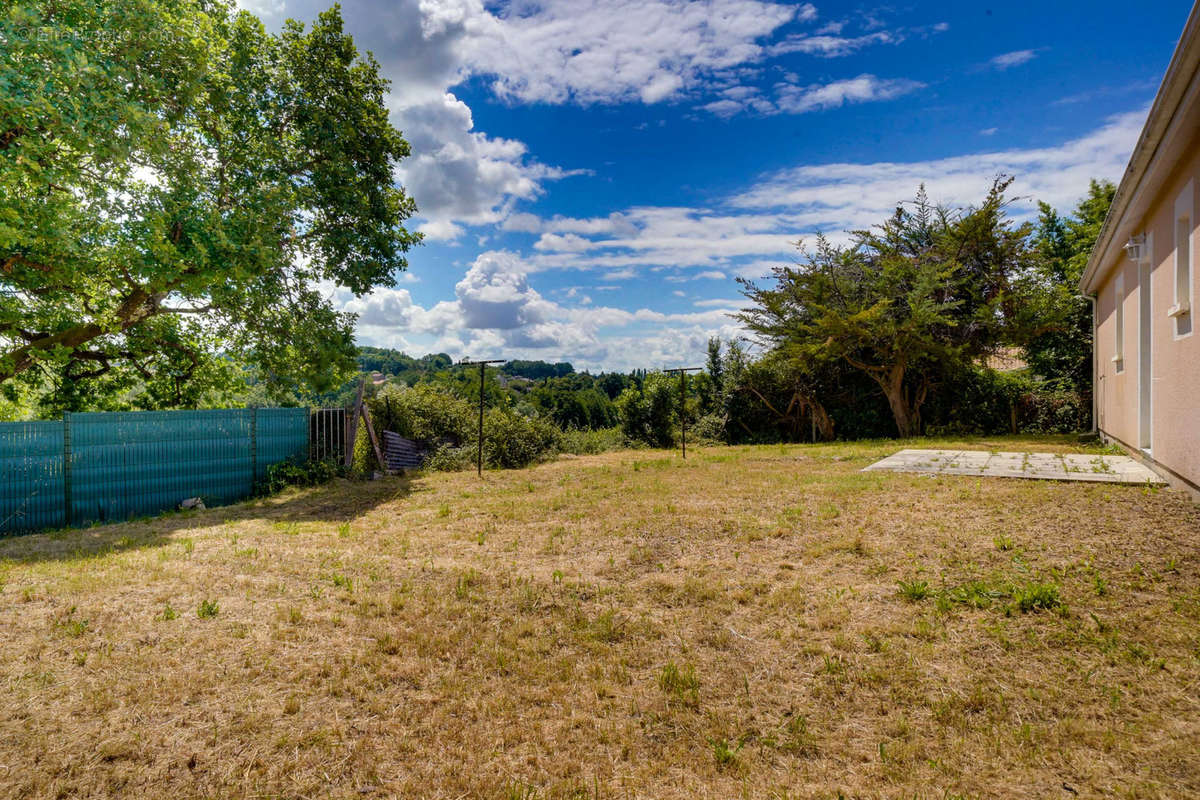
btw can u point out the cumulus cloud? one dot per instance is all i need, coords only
(457, 175)
(495, 293)
(559, 51)
(497, 313)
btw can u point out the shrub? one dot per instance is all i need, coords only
(297, 472)
(708, 429)
(648, 415)
(449, 458)
(423, 413)
(583, 442)
(1054, 411)
(511, 440)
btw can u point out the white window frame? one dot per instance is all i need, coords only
(1119, 319)
(1183, 229)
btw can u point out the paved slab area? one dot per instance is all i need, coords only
(1041, 466)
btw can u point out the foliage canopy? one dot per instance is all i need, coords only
(176, 187)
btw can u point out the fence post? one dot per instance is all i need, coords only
(67, 467)
(253, 446)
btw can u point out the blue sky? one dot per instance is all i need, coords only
(592, 176)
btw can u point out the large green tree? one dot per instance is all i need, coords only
(180, 189)
(927, 290)
(1057, 320)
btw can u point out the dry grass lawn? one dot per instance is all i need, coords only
(753, 622)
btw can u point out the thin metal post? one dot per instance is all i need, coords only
(479, 455)
(482, 366)
(683, 371)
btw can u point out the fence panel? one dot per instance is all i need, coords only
(131, 464)
(31, 476)
(282, 433)
(101, 467)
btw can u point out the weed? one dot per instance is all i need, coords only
(342, 582)
(169, 613)
(914, 591)
(208, 609)
(725, 753)
(1037, 597)
(343, 530)
(75, 627)
(443, 511)
(1003, 543)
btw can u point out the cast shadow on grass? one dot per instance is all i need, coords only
(334, 503)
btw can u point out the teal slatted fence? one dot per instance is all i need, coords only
(113, 466)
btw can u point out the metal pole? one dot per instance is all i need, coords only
(683, 411)
(482, 366)
(683, 371)
(479, 457)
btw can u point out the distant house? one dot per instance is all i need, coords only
(1142, 278)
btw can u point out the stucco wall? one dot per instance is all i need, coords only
(1175, 362)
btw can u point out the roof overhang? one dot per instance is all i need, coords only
(1171, 126)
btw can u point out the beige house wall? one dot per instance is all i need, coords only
(1175, 361)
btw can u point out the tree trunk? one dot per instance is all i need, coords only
(823, 420)
(907, 417)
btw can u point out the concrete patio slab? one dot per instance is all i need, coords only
(1038, 466)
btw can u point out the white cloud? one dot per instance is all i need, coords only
(865, 88)
(604, 51)
(834, 197)
(832, 46)
(440, 230)
(497, 313)
(458, 175)
(1013, 59)
(754, 230)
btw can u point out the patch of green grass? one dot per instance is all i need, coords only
(680, 684)
(1037, 596)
